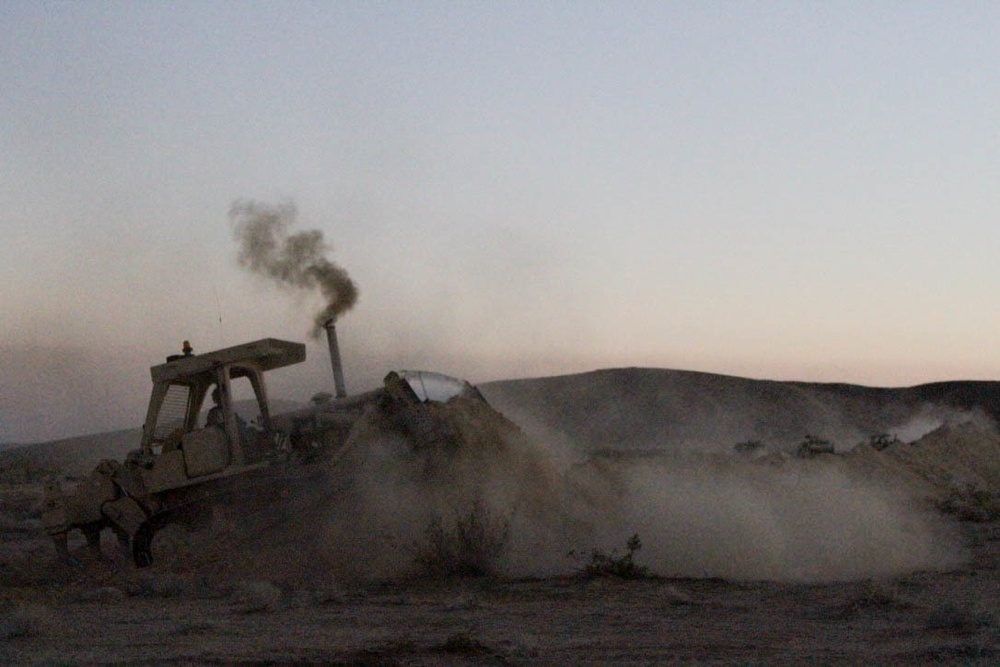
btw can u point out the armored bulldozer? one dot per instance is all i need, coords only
(190, 459)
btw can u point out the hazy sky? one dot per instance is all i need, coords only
(778, 190)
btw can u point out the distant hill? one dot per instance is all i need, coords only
(72, 456)
(640, 408)
(646, 408)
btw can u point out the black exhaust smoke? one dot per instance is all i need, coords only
(292, 260)
(296, 261)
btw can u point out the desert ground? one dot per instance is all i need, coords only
(881, 548)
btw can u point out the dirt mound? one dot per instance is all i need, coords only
(382, 506)
(642, 408)
(954, 457)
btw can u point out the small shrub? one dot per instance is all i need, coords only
(748, 447)
(462, 644)
(472, 544)
(612, 565)
(813, 445)
(881, 441)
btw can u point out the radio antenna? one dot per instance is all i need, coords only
(218, 306)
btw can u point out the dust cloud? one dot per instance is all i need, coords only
(774, 518)
(292, 260)
(487, 478)
(789, 520)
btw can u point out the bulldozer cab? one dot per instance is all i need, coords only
(206, 435)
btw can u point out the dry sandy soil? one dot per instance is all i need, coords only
(98, 615)
(866, 556)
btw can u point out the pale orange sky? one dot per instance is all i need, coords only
(770, 190)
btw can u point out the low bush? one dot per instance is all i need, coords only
(472, 543)
(749, 447)
(813, 445)
(882, 441)
(463, 644)
(602, 564)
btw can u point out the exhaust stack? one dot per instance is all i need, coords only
(338, 370)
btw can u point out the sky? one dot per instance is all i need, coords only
(780, 190)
